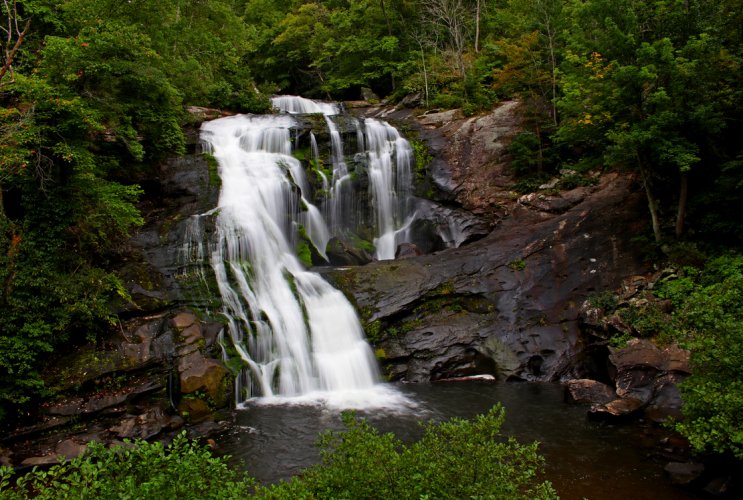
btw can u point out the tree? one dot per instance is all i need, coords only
(13, 37)
(449, 19)
(646, 83)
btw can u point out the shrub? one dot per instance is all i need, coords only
(456, 459)
(183, 469)
(708, 320)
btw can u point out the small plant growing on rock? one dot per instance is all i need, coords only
(517, 265)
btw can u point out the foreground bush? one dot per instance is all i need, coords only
(183, 469)
(457, 459)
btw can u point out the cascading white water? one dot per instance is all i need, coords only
(299, 105)
(295, 332)
(340, 199)
(390, 182)
(389, 158)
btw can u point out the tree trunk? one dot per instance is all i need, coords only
(477, 27)
(683, 197)
(10, 51)
(386, 18)
(652, 204)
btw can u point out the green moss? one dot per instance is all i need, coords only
(373, 330)
(213, 165)
(605, 300)
(301, 154)
(423, 157)
(362, 244)
(445, 288)
(304, 253)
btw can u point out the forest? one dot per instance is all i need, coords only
(93, 92)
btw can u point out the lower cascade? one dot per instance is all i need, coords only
(295, 333)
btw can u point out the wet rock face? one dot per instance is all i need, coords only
(512, 297)
(649, 375)
(145, 381)
(470, 165)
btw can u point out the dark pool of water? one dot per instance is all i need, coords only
(585, 459)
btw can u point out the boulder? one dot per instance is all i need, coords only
(194, 409)
(70, 449)
(619, 408)
(6, 457)
(199, 373)
(407, 251)
(43, 460)
(638, 353)
(683, 473)
(588, 391)
(342, 253)
(144, 426)
(183, 320)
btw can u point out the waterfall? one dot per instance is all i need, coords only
(340, 200)
(389, 157)
(390, 181)
(296, 334)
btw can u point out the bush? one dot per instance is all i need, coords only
(708, 320)
(456, 459)
(139, 470)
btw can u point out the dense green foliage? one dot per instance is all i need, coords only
(708, 320)
(457, 459)
(183, 469)
(653, 87)
(94, 97)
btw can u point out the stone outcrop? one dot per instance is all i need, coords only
(470, 165)
(645, 380)
(521, 286)
(588, 391)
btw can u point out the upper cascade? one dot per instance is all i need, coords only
(382, 156)
(293, 104)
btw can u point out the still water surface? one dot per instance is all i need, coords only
(585, 459)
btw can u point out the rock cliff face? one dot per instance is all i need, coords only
(508, 304)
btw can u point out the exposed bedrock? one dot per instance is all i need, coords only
(507, 304)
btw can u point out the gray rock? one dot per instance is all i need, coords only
(683, 472)
(144, 426)
(522, 285)
(70, 449)
(618, 408)
(407, 251)
(588, 391)
(45, 460)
